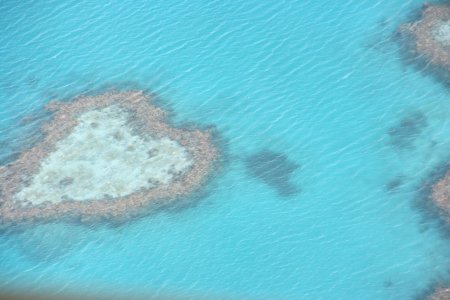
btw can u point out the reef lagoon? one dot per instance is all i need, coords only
(104, 157)
(331, 134)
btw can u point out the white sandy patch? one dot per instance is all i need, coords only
(442, 32)
(101, 158)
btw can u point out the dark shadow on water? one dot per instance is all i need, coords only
(407, 130)
(388, 284)
(395, 184)
(274, 169)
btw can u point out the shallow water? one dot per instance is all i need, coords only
(320, 83)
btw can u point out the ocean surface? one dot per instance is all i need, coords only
(330, 140)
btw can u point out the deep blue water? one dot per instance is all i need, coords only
(320, 84)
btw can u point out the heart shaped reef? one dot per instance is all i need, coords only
(106, 156)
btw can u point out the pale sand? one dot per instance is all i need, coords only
(441, 32)
(102, 158)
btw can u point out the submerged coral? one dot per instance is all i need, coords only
(441, 195)
(104, 156)
(431, 34)
(404, 133)
(274, 169)
(440, 294)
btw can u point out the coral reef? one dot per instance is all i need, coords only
(431, 34)
(441, 195)
(106, 156)
(440, 294)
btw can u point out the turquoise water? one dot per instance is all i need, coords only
(320, 82)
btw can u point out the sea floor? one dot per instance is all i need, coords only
(330, 141)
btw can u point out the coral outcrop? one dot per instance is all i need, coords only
(431, 34)
(106, 156)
